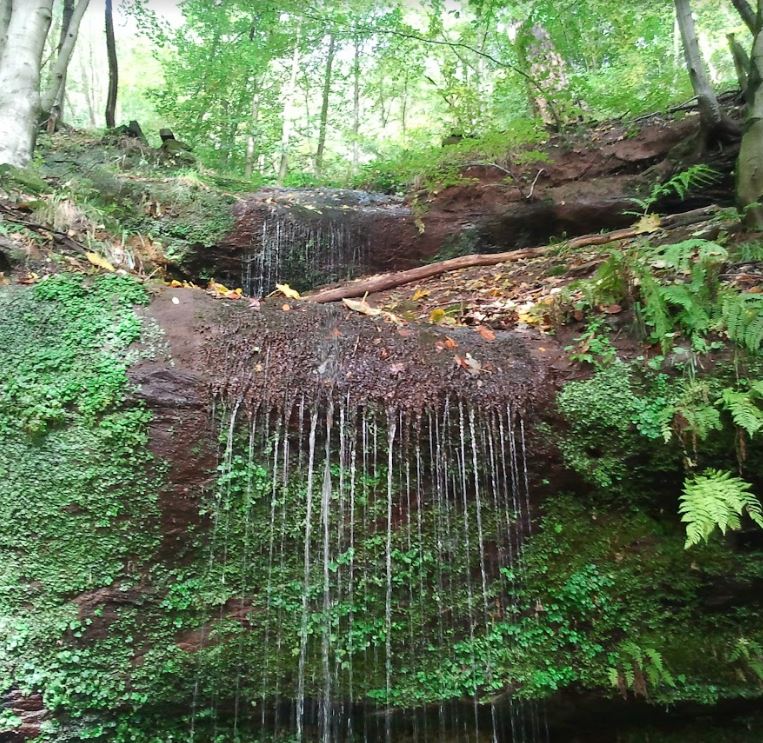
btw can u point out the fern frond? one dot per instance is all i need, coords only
(744, 412)
(743, 317)
(716, 499)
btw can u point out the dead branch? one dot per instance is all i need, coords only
(382, 282)
(61, 238)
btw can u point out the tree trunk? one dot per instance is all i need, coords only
(111, 49)
(747, 14)
(251, 140)
(288, 111)
(69, 30)
(58, 103)
(741, 64)
(319, 152)
(20, 79)
(750, 162)
(6, 8)
(356, 107)
(715, 126)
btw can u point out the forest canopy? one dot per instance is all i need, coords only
(335, 92)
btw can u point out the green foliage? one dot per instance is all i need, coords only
(679, 185)
(593, 346)
(748, 655)
(638, 668)
(602, 414)
(743, 318)
(746, 408)
(676, 292)
(77, 483)
(611, 601)
(716, 499)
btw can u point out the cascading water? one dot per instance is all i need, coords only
(301, 253)
(307, 237)
(374, 550)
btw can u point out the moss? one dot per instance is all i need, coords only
(78, 486)
(597, 578)
(21, 179)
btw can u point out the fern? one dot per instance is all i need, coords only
(716, 499)
(751, 252)
(743, 408)
(637, 668)
(655, 309)
(743, 317)
(683, 255)
(680, 185)
(748, 654)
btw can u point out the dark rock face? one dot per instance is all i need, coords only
(309, 237)
(31, 711)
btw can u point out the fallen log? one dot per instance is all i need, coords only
(384, 281)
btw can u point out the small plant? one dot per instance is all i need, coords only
(748, 656)
(743, 318)
(716, 499)
(593, 346)
(637, 668)
(679, 185)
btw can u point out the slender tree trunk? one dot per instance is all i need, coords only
(750, 164)
(715, 126)
(20, 79)
(66, 19)
(741, 63)
(356, 107)
(747, 13)
(6, 8)
(111, 49)
(323, 122)
(89, 84)
(404, 108)
(288, 110)
(69, 30)
(251, 140)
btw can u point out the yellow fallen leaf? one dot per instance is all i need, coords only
(419, 294)
(648, 223)
(175, 284)
(361, 306)
(287, 291)
(437, 315)
(218, 288)
(100, 261)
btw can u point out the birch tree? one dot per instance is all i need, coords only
(20, 78)
(716, 126)
(69, 31)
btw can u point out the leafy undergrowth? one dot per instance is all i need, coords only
(134, 206)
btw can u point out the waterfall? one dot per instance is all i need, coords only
(302, 248)
(375, 549)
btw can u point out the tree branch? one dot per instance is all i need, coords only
(747, 13)
(382, 282)
(370, 30)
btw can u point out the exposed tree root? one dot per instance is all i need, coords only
(382, 282)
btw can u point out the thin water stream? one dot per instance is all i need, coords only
(375, 551)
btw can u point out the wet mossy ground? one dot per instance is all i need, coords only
(128, 646)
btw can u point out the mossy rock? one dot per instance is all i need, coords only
(21, 179)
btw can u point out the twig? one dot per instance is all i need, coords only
(61, 237)
(532, 188)
(382, 282)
